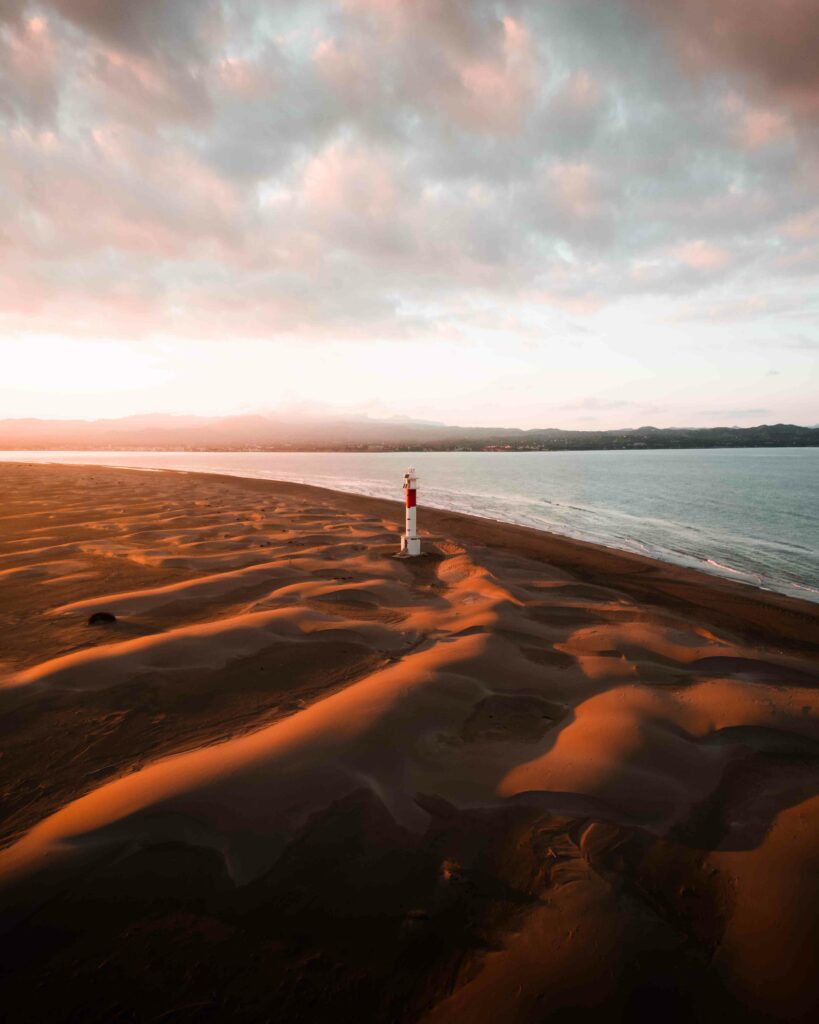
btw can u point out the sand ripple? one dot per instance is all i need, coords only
(527, 742)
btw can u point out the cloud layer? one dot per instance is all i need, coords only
(379, 169)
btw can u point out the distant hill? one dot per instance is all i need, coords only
(272, 433)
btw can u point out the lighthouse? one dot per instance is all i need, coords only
(410, 541)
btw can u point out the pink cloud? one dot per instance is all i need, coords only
(804, 226)
(755, 127)
(116, 192)
(701, 255)
(244, 78)
(773, 44)
(147, 92)
(580, 93)
(576, 188)
(478, 70)
(575, 304)
(348, 71)
(498, 91)
(349, 180)
(762, 128)
(452, 24)
(29, 71)
(337, 64)
(415, 146)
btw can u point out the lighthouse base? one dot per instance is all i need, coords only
(410, 546)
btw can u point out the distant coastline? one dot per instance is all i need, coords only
(277, 434)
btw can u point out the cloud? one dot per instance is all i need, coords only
(185, 28)
(802, 342)
(774, 45)
(374, 168)
(701, 255)
(29, 84)
(739, 414)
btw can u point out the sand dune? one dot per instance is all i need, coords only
(516, 778)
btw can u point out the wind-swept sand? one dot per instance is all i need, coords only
(518, 779)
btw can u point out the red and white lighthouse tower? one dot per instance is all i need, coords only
(410, 541)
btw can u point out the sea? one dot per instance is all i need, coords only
(748, 514)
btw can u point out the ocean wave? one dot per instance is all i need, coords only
(805, 587)
(725, 568)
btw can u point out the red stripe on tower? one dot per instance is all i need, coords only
(410, 499)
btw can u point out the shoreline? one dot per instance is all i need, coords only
(718, 571)
(791, 618)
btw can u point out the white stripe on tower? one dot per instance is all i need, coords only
(410, 541)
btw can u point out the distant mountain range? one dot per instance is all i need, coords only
(280, 433)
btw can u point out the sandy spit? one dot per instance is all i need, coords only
(520, 778)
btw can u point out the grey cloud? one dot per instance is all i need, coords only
(183, 28)
(739, 413)
(397, 152)
(10, 11)
(29, 86)
(146, 62)
(802, 342)
(772, 44)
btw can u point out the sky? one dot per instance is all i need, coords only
(568, 213)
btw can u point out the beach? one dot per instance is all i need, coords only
(521, 777)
